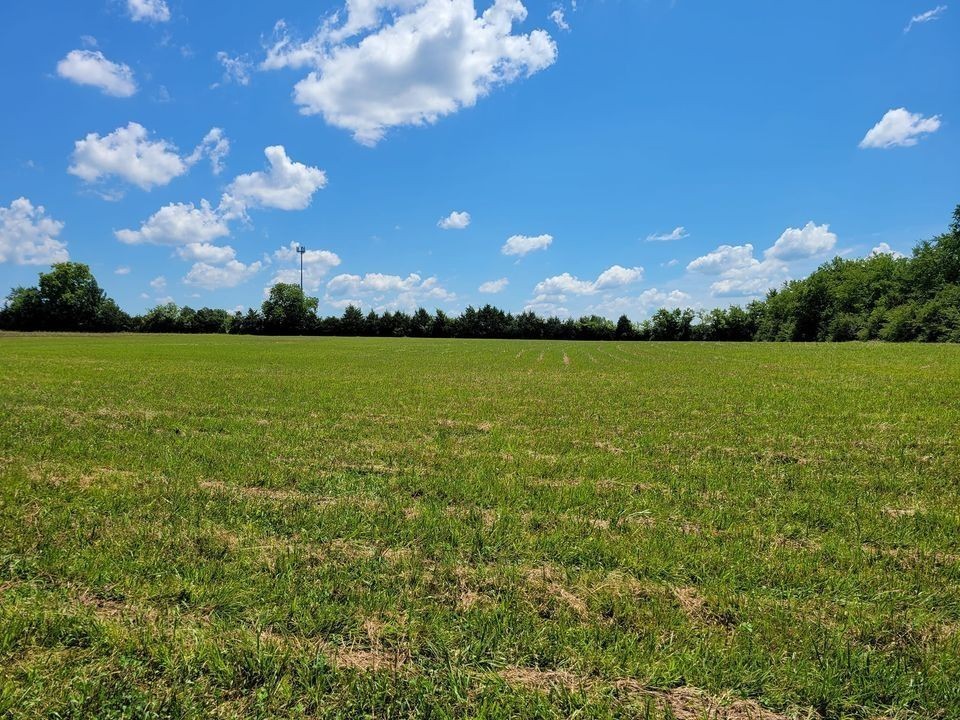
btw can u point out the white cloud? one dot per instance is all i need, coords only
(678, 233)
(90, 67)
(796, 243)
(546, 305)
(455, 221)
(899, 128)
(885, 249)
(130, 154)
(523, 244)
(492, 287)
(316, 265)
(724, 258)
(215, 277)
(148, 10)
(429, 59)
(559, 285)
(748, 282)
(637, 306)
(613, 277)
(558, 18)
(215, 146)
(618, 276)
(122, 270)
(207, 253)
(385, 292)
(179, 224)
(235, 69)
(926, 17)
(287, 185)
(28, 236)
(743, 275)
(159, 283)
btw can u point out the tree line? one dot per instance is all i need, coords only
(881, 297)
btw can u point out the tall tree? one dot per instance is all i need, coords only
(288, 311)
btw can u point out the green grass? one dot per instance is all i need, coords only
(262, 527)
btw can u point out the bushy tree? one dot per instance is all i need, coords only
(66, 298)
(352, 321)
(288, 311)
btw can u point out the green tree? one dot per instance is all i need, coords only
(625, 329)
(23, 310)
(288, 311)
(352, 321)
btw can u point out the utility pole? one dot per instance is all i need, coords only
(301, 250)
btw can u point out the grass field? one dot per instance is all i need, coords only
(266, 527)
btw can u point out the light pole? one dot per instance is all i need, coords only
(301, 250)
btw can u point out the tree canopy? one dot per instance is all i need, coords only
(880, 297)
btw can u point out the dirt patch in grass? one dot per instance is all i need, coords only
(685, 703)
(608, 447)
(895, 512)
(695, 607)
(274, 494)
(546, 582)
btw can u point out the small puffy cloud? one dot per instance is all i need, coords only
(178, 224)
(640, 305)
(560, 285)
(548, 305)
(740, 273)
(426, 59)
(316, 265)
(122, 270)
(746, 283)
(885, 249)
(926, 17)
(385, 292)
(287, 185)
(207, 253)
(235, 69)
(678, 233)
(148, 10)
(28, 236)
(215, 146)
(90, 67)
(159, 283)
(492, 287)
(559, 20)
(455, 221)
(899, 128)
(523, 244)
(618, 276)
(725, 257)
(215, 277)
(130, 154)
(798, 243)
(613, 277)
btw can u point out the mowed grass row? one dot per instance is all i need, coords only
(264, 527)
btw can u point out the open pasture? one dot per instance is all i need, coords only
(195, 526)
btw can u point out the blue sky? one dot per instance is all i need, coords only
(603, 156)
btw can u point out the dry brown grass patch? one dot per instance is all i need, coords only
(546, 580)
(685, 703)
